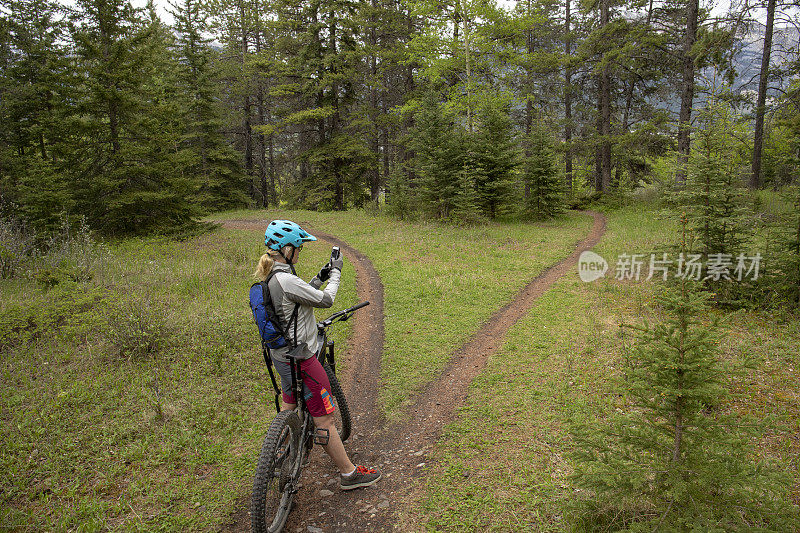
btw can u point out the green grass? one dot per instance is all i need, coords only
(164, 436)
(501, 466)
(84, 446)
(93, 439)
(440, 282)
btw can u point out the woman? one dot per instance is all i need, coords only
(294, 302)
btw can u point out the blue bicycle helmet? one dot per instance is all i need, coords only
(281, 233)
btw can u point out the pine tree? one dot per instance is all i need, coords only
(128, 175)
(321, 44)
(714, 194)
(668, 459)
(714, 197)
(540, 176)
(34, 80)
(443, 164)
(496, 159)
(784, 273)
(210, 159)
(385, 31)
(453, 49)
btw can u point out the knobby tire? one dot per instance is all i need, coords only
(342, 413)
(271, 504)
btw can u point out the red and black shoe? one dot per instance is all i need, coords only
(362, 477)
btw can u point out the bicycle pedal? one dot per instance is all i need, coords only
(321, 436)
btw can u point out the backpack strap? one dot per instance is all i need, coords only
(268, 361)
(271, 312)
(271, 307)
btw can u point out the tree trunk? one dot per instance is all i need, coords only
(113, 124)
(568, 99)
(678, 437)
(113, 111)
(604, 111)
(42, 148)
(463, 16)
(338, 200)
(797, 250)
(385, 140)
(758, 136)
(262, 147)
(687, 90)
(272, 189)
(528, 129)
(375, 173)
(528, 101)
(386, 159)
(246, 124)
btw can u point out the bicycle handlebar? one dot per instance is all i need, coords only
(341, 315)
(357, 307)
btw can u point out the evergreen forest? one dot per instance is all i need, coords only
(458, 111)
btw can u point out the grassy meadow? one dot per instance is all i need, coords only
(137, 399)
(503, 465)
(440, 282)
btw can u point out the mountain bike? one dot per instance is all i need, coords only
(290, 438)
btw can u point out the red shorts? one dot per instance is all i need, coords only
(316, 386)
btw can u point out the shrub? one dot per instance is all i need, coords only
(72, 254)
(17, 245)
(18, 325)
(72, 311)
(137, 327)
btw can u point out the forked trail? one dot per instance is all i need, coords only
(397, 450)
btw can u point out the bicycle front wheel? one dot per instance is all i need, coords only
(278, 464)
(342, 413)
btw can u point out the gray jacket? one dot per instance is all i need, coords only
(287, 290)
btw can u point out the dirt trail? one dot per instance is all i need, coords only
(399, 450)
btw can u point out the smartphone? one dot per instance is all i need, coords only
(335, 253)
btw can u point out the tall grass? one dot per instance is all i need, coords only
(137, 397)
(502, 465)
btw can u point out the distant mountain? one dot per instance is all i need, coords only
(747, 61)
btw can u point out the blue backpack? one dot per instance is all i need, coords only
(272, 333)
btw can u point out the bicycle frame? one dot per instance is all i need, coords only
(291, 455)
(306, 441)
(326, 354)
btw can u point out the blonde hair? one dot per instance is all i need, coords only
(265, 265)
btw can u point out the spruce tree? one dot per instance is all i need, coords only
(715, 190)
(210, 159)
(668, 459)
(545, 197)
(442, 161)
(34, 82)
(127, 172)
(714, 196)
(496, 158)
(321, 42)
(784, 274)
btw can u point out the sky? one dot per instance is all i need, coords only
(718, 7)
(162, 6)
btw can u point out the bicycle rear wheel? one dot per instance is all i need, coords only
(278, 464)
(342, 413)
